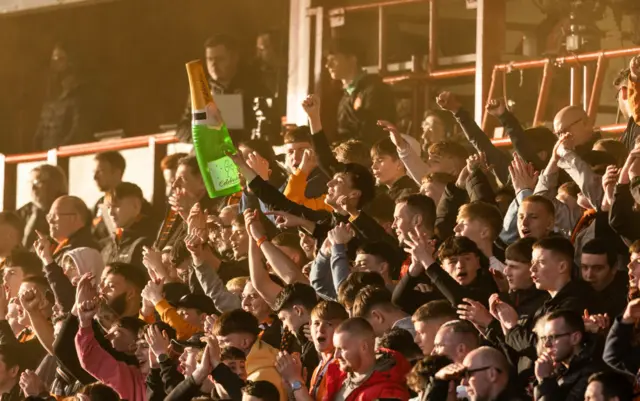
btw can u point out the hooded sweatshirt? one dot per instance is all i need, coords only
(261, 366)
(87, 260)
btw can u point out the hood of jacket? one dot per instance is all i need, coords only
(261, 356)
(86, 260)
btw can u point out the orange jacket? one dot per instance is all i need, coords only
(170, 316)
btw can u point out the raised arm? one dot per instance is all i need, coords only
(321, 277)
(281, 264)
(271, 196)
(211, 284)
(260, 279)
(416, 167)
(31, 301)
(325, 157)
(63, 290)
(475, 135)
(590, 183)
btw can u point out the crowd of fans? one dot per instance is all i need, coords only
(386, 268)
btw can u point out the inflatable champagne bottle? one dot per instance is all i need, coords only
(210, 137)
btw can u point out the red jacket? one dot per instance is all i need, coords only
(383, 383)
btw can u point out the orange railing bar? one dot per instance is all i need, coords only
(370, 6)
(545, 88)
(523, 65)
(94, 147)
(571, 60)
(608, 130)
(596, 90)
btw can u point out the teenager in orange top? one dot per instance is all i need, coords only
(326, 316)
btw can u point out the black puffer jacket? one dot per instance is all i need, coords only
(127, 246)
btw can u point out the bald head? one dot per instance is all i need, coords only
(575, 121)
(490, 373)
(487, 356)
(455, 339)
(357, 327)
(68, 214)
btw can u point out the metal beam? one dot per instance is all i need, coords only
(490, 43)
(10, 7)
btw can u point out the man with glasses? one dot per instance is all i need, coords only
(70, 226)
(484, 373)
(574, 120)
(551, 271)
(566, 357)
(47, 184)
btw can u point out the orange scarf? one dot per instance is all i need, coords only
(405, 267)
(61, 245)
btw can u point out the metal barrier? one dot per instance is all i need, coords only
(591, 89)
(143, 155)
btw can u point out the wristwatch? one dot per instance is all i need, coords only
(162, 358)
(296, 385)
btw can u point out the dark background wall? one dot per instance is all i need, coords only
(132, 52)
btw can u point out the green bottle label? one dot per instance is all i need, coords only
(224, 173)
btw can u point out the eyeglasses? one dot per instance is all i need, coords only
(468, 373)
(55, 217)
(566, 129)
(552, 337)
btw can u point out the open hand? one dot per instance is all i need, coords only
(197, 222)
(453, 371)
(153, 291)
(152, 260)
(421, 248)
(158, 341)
(394, 133)
(523, 175)
(259, 164)
(502, 311)
(289, 367)
(595, 323)
(203, 368)
(474, 312)
(341, 234)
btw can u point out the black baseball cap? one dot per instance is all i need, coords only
(200, 302)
